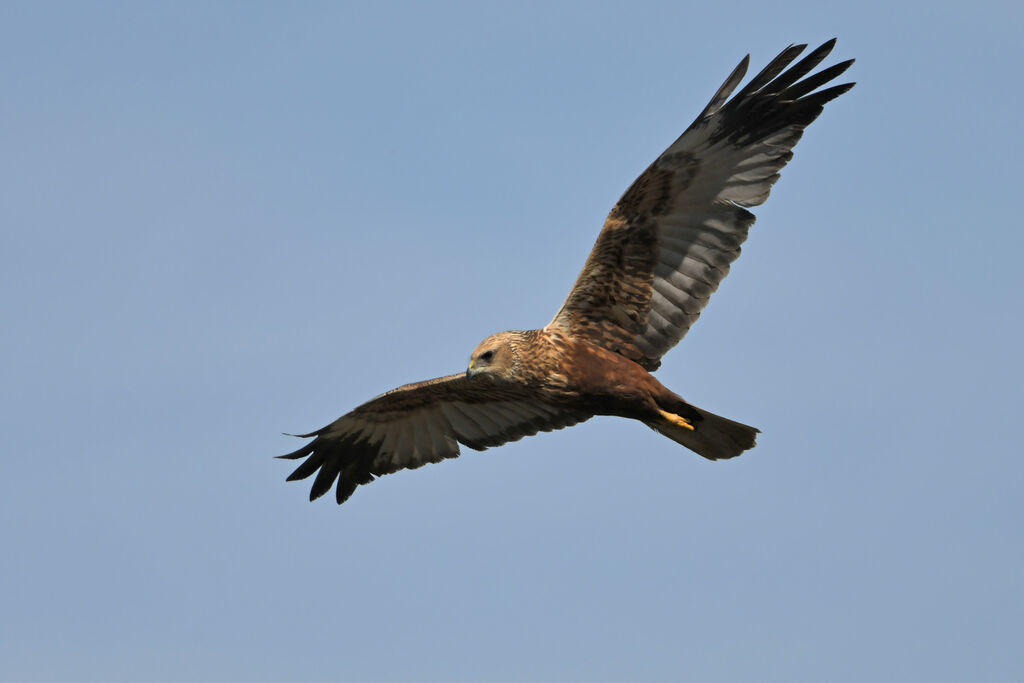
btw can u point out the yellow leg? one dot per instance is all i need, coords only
(676, 420)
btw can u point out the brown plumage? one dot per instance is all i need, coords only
(664, 249)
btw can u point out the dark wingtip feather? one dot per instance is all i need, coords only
(803, 67)
(307, 468)
(343, 492)
(304, 436)
(825, 48)
(811, 83)
(300, 453)
(325, 479)
(726, 88)
(775, 100)
(825, 96)
(774, 68)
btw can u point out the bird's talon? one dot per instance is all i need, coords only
(676, 420)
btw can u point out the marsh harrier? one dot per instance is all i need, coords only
(664, 249)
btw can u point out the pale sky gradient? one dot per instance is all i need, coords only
(224, 221)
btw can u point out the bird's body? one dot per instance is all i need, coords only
(664, 249)
(576, 374)
(584, 376)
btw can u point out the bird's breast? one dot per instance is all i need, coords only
(609, 384)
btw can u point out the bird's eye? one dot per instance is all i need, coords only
(486, 356)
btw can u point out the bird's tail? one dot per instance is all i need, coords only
(712, 436)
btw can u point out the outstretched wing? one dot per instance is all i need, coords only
(671, 238)
(422, 423)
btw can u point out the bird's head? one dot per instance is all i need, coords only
(497, 356)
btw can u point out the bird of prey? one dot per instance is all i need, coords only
(664, 249)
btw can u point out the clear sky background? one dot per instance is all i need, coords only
(224, 221)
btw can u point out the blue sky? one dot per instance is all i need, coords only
(224, 221)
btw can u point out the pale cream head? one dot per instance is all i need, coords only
(495, 356)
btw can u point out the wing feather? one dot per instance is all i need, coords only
(434, 434)
(422, 423)
(468, 431)
(670, 240)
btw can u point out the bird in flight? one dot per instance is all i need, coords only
(664, 249)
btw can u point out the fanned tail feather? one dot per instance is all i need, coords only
(713, 437)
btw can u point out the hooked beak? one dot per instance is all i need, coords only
(471, 370)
